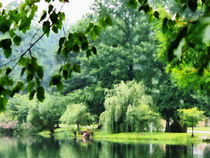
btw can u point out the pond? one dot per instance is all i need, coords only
(39, 147)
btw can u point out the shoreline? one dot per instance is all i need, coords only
(154, 137)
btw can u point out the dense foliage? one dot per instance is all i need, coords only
(77, 114)
(191, 116)
(128, 108)
(183, 33)
(19, 19)
(125, 82)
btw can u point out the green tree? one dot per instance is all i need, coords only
(46, 115)
(77, 114)
(124, 53)
(191, 117)
(184, 45)
(18, 108)
(17, 20)
(128, 108)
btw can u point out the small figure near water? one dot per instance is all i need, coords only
(86, 135)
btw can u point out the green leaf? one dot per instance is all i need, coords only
(40, 72)
(60, 86)
(76, 68)
(65, 52)
(88, 53)
(97, 30)
(6, 81)
(108, 20)
(156, 15)
(61, 41)
(4, 25)
(65, 74)
(22, 71)
(133, 3)
(31, 94)
(11, 33)
(46, 27)
(50, 8)
(29, 77)
(37, 82)
(146, 8)
(43, 16)
(89, 28)
(6, 43)
(40, 94)
(84, 45)
(23, 61)
(55, 29)
(17, 40)
(30, 86)
(54, 17)
(94, 50)
(76, 48)
(62, 16)
(8, 70)
(3, 103)
(19, 86)
(55, 80)
(67, 67)
(7, 52)
(59, 50)
(164, 25)
(102, 22)
(93, 35)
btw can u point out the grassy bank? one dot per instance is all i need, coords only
(155, 137)
(170, 138)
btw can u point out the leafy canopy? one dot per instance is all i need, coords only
(184, 42)
(128, 108)
(20, 19)
(191, 116)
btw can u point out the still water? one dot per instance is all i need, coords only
(39, 147)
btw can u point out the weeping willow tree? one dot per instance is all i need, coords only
(128, 109)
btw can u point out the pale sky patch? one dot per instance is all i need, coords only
(74, 10)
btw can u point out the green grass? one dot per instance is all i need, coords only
(155, 137)
(171, 138)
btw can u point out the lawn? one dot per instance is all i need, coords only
(159, 137)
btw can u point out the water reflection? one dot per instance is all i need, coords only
(39, 147)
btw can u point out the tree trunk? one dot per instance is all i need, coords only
(78, 127)
(52, 131)
(192, 131)
(167, 129)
